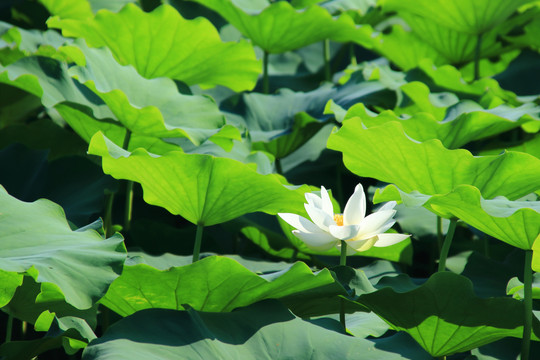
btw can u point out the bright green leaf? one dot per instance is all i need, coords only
(214, 283)
(187, 50)
(203, 189)
(515, 222)
(147, 107)
(428, 167)
(280, 27)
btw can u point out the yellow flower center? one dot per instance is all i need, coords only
(338, 218)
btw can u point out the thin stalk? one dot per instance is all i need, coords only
(446, 245)
(343, 262)
(128, 209)
(439, 233)
(326, 56)
(343, 256)
(108, 214)
(266, 83)
(352, 54)
(129, 205)
(9, 328)
(477, 51)
(198, 241)
(527, 300)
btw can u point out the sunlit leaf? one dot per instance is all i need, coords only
(203, 189)
(279, 27)
(150, 107)
(217, 284)
(473, 17)
(515, 222)
(428, 167)
(187, 50)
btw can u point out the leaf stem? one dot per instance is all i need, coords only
(266, 83)
(108, 213)
(9, 328)
(352, 54)
(198, 241)
(477, 51)
(439, 233)
(129, 189)
(342, 262)
(326, 56)
(527, 300)
(129, 205)
(446, 245)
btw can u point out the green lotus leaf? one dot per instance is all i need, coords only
(472, 17)
(32, 299)
(81, 9)
(516, 287)
(406, 57)
(204, 189)
(428, 167)
(449, 77)
(515, 222)
(266, 329)
(69, 9)
(529, 37)
(10, 282)
(279, 27)
(37, 240)
(24, 42)
(167, 260)
(456, 46)
(445, 316)
(187, 50)
(531, 146)
(70, 332)
(215, 283)
(464, 122)
(281, 123)
(49, 80)
(150, 107)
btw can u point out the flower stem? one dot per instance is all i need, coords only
(343, 262)
(527, 300)
(266, 83)
(198, 241)
(343, 257)
(477, 57)
(446, 245)
(129, 190)
(326, 56)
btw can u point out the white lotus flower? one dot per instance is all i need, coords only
(360, 232)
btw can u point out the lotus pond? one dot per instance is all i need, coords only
(255, 179)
